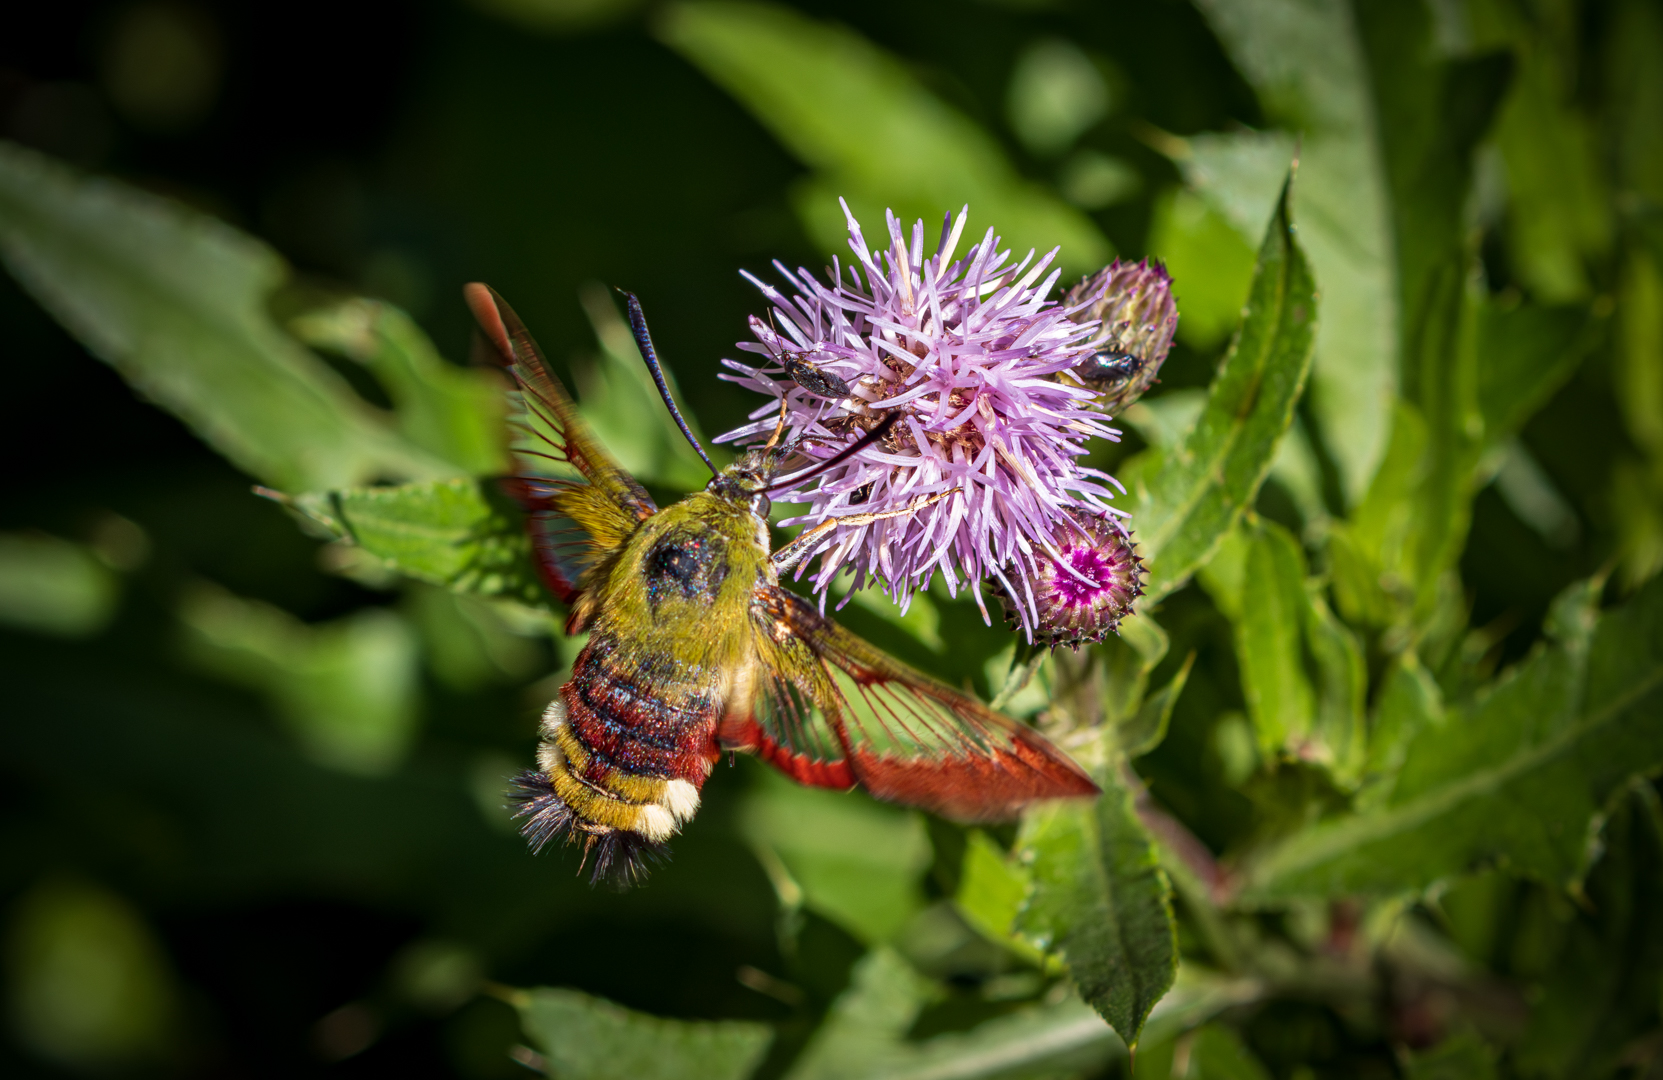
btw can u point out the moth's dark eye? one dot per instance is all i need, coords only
(760, 505)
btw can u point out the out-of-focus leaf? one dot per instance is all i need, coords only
(175, 301)
(862, 1034)
(856, 861)
(992, 889)
(1519, 774)
(468, 642)
(53, 586)
(560, 16)
(88, 984)
(348, 689)
(1126, 659)
(1188, 498)
(589, 1038)
(458, 533)
(1306, 61)
(1101, 901)
(1409, 702)
(1340, 681)
(1144, 731)
(1560, 212)
(1217, 1053)
(1055, 94)
(1239, 174)
(870, 130)
(453, 413)
(1463, 1056)
(1525, 354)
(1210, 263)
(1604, 987)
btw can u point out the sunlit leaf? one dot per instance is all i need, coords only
(1188, 498)
(1210, 262)
(453, 413)
(175, 301)
(588, 1038)
(462, 534)
(1518, 774)
(1101, 902)
(1306, 61)
(871, 131)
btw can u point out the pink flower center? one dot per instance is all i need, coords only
(1090, 563)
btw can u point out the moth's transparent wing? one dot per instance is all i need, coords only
(831, 710)
(581, 505)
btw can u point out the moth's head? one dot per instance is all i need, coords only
(747, 480)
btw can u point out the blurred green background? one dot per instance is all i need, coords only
(251, 787)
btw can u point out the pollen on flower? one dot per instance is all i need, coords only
(981, 477)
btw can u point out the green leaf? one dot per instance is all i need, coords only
(1101, 902)
(1525, 354)
(1306, 60)
(176, 302)
(1302, 670)
(459, 533)
(865, 1027)
(1604, 986)
(88, 981)
(853, 860)
(870, 131)
(1217, 1053)
(992, 888)
(1208, 260)
(1139, 734)
(451, 412)
(1520, 774)
(1409, 703)
(588, 1038)
(53, 586)
(1269, 640)
(1188, 498)
(1463, 1056)
(348, 690)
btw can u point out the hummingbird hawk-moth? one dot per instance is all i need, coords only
(695, 648)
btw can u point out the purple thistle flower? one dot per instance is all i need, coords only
(1136, 316)
(981, 474)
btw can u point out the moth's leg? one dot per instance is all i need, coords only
(797, 550)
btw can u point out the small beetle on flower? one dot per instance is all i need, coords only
(981, 476)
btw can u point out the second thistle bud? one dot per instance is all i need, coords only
(1138, 316)
(1079, 596)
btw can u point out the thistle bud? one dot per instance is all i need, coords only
(1137, 318)
(1079, 596)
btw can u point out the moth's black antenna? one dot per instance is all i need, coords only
(841, 456)
(643, 341)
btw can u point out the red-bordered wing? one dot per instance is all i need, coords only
(581, 505)
(831, 710)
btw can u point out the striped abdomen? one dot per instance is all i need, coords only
(625, 750)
